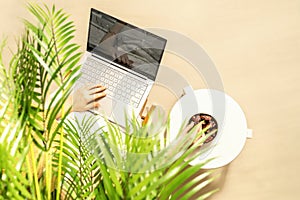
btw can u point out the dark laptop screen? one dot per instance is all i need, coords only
(125, 44)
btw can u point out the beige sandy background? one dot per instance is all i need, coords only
(255, 46)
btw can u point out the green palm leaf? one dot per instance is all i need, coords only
(41, 63)
(83, 162)
(80, 167)
(150, 179)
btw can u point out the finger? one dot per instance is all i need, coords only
(127, 61)
(130, 62)
(95, 97)
(124, 59)
(190, 125)
(92, 105)
(96, 86)
(97, 90)
(119, 59)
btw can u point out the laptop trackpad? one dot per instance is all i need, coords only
(122, 113)
(106, 106)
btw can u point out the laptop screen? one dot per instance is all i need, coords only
(125, 44)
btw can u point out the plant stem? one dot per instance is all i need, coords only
(35, 175)
(30, 174)
(58, 189)
(48, 175)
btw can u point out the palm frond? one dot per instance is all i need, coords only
(41, 63)
(80, 168)
(13, 147)
(82, 159)
(134, 166)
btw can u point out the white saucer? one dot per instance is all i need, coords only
(232, 125)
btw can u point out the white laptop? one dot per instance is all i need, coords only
(125, 59)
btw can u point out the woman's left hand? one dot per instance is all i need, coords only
(86, 98)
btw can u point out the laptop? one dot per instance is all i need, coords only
(123, 58)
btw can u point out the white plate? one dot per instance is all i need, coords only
(232, 125)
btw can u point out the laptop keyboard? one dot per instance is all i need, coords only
(119, 85)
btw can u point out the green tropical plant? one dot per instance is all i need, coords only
(45, 59)
(75, 157)
(135, 163)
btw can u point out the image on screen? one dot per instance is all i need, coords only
(125, 44)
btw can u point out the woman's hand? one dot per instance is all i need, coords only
(86, 98)
(122, 57)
